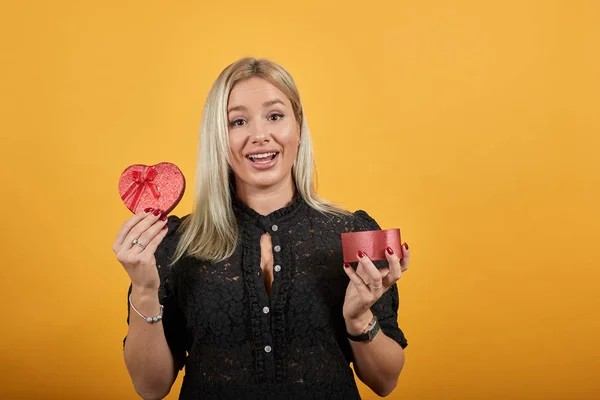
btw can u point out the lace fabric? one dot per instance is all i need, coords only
(235, 341)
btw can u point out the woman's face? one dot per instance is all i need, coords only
(263, 134)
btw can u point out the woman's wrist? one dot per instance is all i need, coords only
(357, 326)
(145, 301)
(144, 293)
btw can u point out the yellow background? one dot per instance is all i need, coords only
(471, 125)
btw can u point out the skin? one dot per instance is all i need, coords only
(261, 119)
(147, 355)
(378, 363)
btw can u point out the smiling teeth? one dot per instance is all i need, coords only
(263, 155)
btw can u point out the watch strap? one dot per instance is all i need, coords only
(369, 334)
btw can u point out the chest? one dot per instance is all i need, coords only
(266, 262)
(271, 279)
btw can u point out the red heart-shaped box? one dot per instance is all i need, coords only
(159, 186)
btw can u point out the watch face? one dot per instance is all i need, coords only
(371, 334)
(373, 331)
(367, 335)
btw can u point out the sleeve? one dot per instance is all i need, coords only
(173, 317)
(386, 308)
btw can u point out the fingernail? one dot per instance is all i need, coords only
(346, 265)
(157, 212)
(148, 210)
(406, 246)
(361, 254)
(390, 250)
(164, 227)
(164, 217)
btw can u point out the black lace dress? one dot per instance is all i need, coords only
(235, 341)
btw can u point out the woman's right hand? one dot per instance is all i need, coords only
(148, 227)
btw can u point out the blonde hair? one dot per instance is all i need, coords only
(210, 232)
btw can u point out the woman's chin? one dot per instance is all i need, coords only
(266, 182)
(266, 179)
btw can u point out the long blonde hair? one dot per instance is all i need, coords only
(210, 232)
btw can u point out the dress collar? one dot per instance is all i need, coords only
(248, 217)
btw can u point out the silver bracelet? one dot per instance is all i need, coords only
(151, 320)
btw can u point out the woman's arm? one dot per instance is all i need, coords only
(377, 363)
(148, 357)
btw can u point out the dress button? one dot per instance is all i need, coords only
(277, 248)
(268, 349)
(277, 268)
(266, 310)
(274, 227)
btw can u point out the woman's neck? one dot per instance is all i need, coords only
(266, 200)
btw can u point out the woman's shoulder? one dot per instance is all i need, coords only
(175, 222)
(166, 248)
(364, 222)
(359, 220)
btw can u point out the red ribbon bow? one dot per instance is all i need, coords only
(141, 181)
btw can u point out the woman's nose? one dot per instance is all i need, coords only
(260, 133)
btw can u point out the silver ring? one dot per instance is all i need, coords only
(377, 288)
(140, 244)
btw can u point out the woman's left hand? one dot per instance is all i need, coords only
(367, 284)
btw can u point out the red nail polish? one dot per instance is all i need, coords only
(164, 227)
(148, 210)
(157, 212)
(390, 250)
(406, 246)
(361, 254)
(346, 265)
(164, 217)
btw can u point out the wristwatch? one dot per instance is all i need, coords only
(369, 333)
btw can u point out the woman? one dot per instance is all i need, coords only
(249, 291)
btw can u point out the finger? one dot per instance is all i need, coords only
(362, 272)
(156, 228)
(370, 268)
(395, 272)
(384, 272)
(128, 225)
(405, 257)
(363, 290)
(156, 240)
(141, 227)
(364, 275)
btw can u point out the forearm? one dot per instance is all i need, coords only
(377, 363)
(147, 355)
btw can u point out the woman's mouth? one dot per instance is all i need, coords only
(264, 160)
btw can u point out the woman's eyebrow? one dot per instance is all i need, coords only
(265, 104)
(271, 102)
(237, 108)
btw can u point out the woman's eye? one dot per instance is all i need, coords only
(275, 117)
(237, 122)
